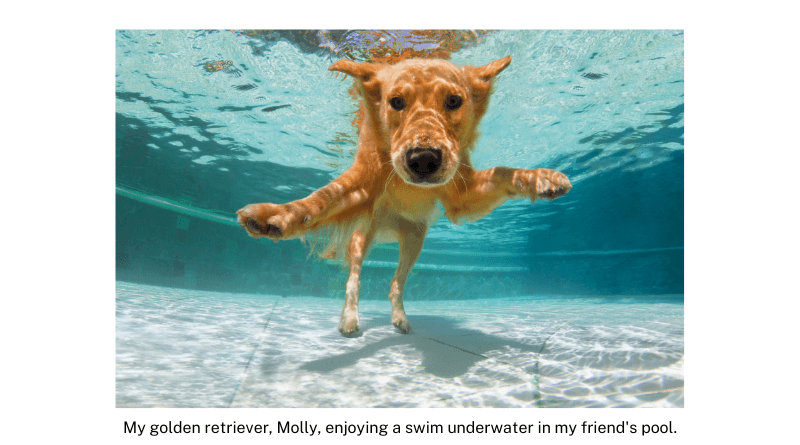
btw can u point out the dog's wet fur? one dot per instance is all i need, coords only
(419, 125)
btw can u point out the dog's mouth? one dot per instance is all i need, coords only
(426, 182)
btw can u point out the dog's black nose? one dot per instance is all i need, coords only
(424, 161)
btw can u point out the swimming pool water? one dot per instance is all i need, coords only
(580, 297)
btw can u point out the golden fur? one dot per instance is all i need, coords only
(419, 124)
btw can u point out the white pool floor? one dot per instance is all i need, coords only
(184, 348)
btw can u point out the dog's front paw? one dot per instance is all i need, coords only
(274, 221)
(400, 321)
(349, 324)
(541, 183)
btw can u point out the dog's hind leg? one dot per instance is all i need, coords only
(356, 251)
(412, 236)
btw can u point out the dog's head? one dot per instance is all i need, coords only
(426, 112)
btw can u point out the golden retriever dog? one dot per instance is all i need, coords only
(418, 127)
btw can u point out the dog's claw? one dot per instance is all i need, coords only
(542, 183)
(403, 325)
(553, 185)
(274, 230)
(268, 230)
(253, 225)
(349, 326)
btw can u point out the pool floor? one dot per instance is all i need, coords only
(186, 348)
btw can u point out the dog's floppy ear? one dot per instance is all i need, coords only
(487, 72)
(365, 73)
(482, 76)
(481, 82)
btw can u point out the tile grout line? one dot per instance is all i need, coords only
(538, 395)
(536, 366)
(536, 371)
(456, 347)
(252, 354)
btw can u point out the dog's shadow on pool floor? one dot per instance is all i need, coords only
(447, 350)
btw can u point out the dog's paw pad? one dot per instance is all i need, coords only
(262, 220)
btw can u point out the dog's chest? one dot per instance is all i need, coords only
(412, 203)
(391, 225)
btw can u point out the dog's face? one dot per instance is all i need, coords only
(427, 111)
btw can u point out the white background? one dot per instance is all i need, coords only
(58, 215)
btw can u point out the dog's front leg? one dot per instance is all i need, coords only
(356, 251)
(474, 194)
(290, 220)
(412, 236)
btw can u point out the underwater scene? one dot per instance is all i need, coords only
(574, 302)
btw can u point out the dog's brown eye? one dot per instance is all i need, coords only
(453, 102)
(397, 103)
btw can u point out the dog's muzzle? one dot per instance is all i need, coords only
(423, 162)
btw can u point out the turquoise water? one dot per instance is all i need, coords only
(207, 122)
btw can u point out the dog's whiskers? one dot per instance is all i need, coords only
(466, 188)
(464, 181)
(388, 180)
